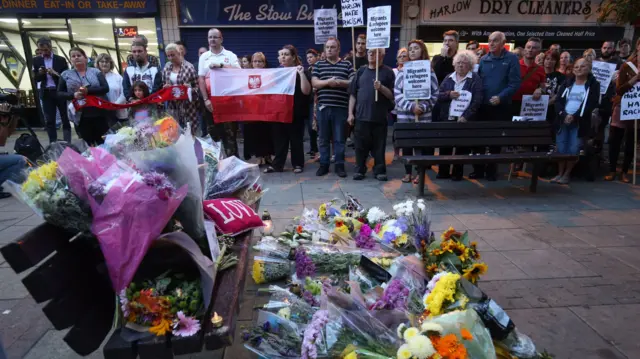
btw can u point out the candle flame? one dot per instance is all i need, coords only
(216, 316)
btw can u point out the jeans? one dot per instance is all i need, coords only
(11, 168)
(370, 137)
(50, 105)
(567, 141)
(332, 121)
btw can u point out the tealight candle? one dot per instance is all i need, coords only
(216, 320)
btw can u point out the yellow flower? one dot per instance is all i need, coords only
(404, 352)
(352, 355)
(162, 328)
(446, 235)
(410, 333)
(444, 291)
(402, 239)
(257, 272)
(322, 211)
(36, 178)
(475, 271)
(342, 230)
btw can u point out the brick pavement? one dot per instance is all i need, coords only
(562, 262)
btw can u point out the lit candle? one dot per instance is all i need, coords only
(267, 230)
(216, 320)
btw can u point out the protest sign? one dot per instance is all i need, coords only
(630, 104)
(603, 72)
(537, 110)
(378, 27)
(325, 25)
(417, 80)
(460, 104)
(352, 13)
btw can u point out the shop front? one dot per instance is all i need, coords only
(93, 25)
(570, 23)
(266, 25)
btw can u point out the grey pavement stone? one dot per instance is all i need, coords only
(603, 236)
(556, 237)
(511, 239)
(599, 262)
(441, 222)
(11, 286)
(500, 268)
(627, 255)
(48, 347)
(23, 327)
(12, 233)
(547, 263)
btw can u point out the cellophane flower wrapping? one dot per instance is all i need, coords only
(179, 163)
(268, 269)
(274, 337)
(82, 170)
(329, 259)
(296, 309)
(481, 346)
(233, 176)
(127, 215)
(269, 246)
(212, 154)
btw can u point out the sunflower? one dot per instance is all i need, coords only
(475, 271)
(432, 268)
(449, 233)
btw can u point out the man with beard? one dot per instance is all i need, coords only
(153, 61)
(361, 51)
(556, 48)
(443, 64)
(533, 77)
(608, 54)
(216, 58)
(142, 70)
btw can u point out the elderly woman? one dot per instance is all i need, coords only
(577, 98)
(179, 71)
(401, 58)
(414, 111)
(78, 82)
(116, 94)
(463, 79)
(257, 135)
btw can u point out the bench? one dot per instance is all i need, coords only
(70, 275)
(477, 134)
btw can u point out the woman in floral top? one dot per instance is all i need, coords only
(179, 71)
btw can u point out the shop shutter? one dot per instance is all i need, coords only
(247, 41)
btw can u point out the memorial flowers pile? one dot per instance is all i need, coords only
(453, 249)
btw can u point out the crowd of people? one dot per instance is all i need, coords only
(355, 96)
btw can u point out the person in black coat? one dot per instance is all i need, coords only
(46, 72)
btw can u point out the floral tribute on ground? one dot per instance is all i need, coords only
(353, 282)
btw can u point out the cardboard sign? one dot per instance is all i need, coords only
(460, 104)
(352, 13)
(325, 25)
(603, 71)
(378, 27)
(417, 80)
(630, 104)
(534, 109)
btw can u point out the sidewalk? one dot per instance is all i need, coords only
(563, 262)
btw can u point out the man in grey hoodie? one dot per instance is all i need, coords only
(500, 73)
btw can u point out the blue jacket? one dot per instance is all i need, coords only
(500, 76)
(473, 85)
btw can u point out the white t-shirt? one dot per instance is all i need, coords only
(225, 57)
(173, 78)
(575, 98)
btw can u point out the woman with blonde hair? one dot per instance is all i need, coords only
(257, 135)
(589, 55)
(106, 65)
(178, 71)
(401, 58)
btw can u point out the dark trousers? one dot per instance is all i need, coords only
(92, 129)
(370, 137)
(51, 103)
(616, 136)
(489, 112)
(331, 122)
(285, 136)
(225, 132)
(457, 169)
(313, 134)
(410, 151)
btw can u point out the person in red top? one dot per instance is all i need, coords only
(532, 75)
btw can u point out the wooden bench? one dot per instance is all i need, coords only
(477, 134)
(71, 277)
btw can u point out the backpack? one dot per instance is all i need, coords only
(28, 145)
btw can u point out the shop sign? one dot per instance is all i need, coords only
(521, 12)
(481, 33)
(266, 12)
(77, 6)
(126, 32)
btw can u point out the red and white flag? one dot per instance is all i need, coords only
(253, 94)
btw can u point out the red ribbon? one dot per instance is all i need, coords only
(173, 93)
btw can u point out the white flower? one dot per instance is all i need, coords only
(411, 333)
(420, 200)
(421, 206)
(404, 352)
(375, 215)
(397, 231)
(421, 347)
(431, 327)
(400, 329)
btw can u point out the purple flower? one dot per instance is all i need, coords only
(266, 327)
(402, 224)
(312, 332)
(363, 238)
(186, 326)
(388, 237)
(308, 297)
(394, 296)
(304, 265)
(421, 232)
(97, 191)
(161, 183)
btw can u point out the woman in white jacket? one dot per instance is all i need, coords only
(116, 94)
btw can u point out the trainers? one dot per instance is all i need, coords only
(358, 177)
(323, 170)
(340, 171)
(381, 177)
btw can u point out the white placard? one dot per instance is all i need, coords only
(460, 104)
(630, 104)
(352, 13)
(417, 79)
(325, 25)
(378, 27)
(537, 110)
(603, 72)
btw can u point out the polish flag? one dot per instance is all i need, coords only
(253, 94)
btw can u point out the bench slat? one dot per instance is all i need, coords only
(498, 158)
(470, 125)
(34, 246)
(454, 134)
(474, 142)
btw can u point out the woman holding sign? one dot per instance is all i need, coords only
(619, 130)
(460, 96)
(414, 110)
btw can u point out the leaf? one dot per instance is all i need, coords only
(464, 239)
(451, 258)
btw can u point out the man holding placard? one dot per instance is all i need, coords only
(533, 77)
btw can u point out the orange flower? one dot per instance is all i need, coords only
(168, 129)
(339, 223)
(162, 328)
(466, 334)
(449, 233)
(432, 268)
(299, 229)
(449, 347)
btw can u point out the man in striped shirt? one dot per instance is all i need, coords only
(331, 78)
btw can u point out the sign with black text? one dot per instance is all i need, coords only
(417, 79)
(603, 72)
(459, 105)
(535, 109)
(352, 13)
(325, 25)
(378, 27)
(630, 104)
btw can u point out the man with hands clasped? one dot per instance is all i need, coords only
(369, 115)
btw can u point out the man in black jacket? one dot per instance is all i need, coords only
(46, 72)
(443, 64)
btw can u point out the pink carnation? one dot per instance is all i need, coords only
(186, 326)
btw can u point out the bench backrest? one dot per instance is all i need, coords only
(472, 134)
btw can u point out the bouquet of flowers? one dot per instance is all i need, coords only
(429, 342)
(375, 215)
(444, 294)
(288, 305)
(268, 269)
(273, 337)
(143, 136)
(234, 175)
(456, 252)
(331, 258)
(394, 232)
(418, 217)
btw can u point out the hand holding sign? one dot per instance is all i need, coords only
(603, 72)
(535, 109)
(460, 104)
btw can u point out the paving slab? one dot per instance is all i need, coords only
(547, 263)
(603, 236)
(501, 268)
(599, 261)
(511, 239)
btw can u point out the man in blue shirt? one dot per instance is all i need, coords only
(500, 73)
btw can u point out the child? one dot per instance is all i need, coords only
(142, 112)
